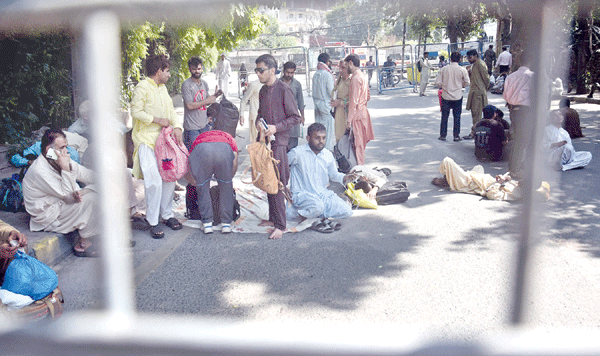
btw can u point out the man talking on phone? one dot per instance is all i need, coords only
(279, 110)
(54, 199)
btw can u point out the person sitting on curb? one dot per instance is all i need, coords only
(54, 199)
(312, 166)
(475, 181)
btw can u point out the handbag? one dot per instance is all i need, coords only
(344, 152)
(265, 174)
(171, 157)
(51, 306)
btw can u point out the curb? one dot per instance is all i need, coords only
(51, 249)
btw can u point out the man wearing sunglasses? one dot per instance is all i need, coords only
(277, 106)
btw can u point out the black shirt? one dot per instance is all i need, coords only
(489, 135)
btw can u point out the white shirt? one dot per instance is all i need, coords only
(504, 59)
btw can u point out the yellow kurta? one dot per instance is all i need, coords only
(342, 89)
(150, 101)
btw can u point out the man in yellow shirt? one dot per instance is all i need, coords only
(152, 109)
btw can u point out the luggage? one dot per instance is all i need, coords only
(191, 203)
(193, 211)
(225, 116)
(26, 275)
(344, 153)
(265, 174)
(172, 158)
(393, 193)
(11, 195)
(51, 306)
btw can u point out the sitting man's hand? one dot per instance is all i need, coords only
(373, 193)
(8, 251)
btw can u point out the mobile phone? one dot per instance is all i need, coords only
(51, 154)
(265, 127)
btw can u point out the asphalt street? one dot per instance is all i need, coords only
(441, 262)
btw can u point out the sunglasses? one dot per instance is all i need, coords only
(260, 70)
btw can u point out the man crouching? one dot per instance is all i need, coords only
(312, 166)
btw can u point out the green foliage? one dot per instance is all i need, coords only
(271, 37)
(38, 90)
(354, 23)
(181, 43)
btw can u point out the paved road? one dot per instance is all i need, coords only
(441, 261)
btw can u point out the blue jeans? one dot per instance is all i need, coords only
(189, 136)
(456, 106)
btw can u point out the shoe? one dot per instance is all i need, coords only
(442, 138)
(457, 138)
(173, 223)
(208, 228)
(469, 137)
(156, 232)
(225, 228)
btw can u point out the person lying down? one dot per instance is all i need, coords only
(475, 181)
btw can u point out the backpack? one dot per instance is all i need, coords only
(225, 116)
(419, 67)
(172, 158)
(11, 193)
(393, 193)
(343, 152)
(193, 211)
(265, 174)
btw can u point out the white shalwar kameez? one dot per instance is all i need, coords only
(564, 155)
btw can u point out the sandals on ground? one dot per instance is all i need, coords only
(91, 251)
(322, 227)
(156, 232)
(335, 225)
(173, 223)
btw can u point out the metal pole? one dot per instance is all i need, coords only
(101, 33)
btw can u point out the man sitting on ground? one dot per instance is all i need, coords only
(54, 199)
(490, 137)
(312, 166)
(560, 151)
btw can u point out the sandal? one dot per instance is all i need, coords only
(335, 225)
(91, 251)
(322, 227)
(156, 232)
(173, 223)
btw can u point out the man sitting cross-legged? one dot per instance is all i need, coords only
(312, 166)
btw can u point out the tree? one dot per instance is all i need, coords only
(354, 23)
(272, 37)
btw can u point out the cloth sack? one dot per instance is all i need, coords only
(51, 306)
(393, 193)
(28, 276)
(343, 153)
(265, 175)
(172, 158)
(225, 116)
(359, 198)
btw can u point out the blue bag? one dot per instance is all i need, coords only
(28, 276)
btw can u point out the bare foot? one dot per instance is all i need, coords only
(266, 223)
(82, 244)
(276, 234)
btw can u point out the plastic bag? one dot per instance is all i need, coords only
(28, 276)
(359, 197)
(14, 301)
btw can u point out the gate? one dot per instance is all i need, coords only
(402, 74)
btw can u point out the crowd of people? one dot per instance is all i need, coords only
(59, 192)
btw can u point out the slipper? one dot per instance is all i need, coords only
(173, 223)
(139, 223)
(91, 251)
(335, 225)
(322, 227)
(156, 232)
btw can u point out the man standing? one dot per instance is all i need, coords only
(517, 90)
(452, 78)
(152, 109)
(370, 65)
(251, 96)
(322, 88)
(194, 91)
(480, 81)
(223, 72)
(54, 199)
(289, 69)
(312, 167)
(424, 73)
(490, 59)
(278, 108)
(504, 60)
(358, 118)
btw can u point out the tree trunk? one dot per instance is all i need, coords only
(584, 20)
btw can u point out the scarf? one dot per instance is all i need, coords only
(323, 66)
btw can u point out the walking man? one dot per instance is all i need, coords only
(480, 81)
(358, 118)
(322, 88)
(504, 60)
(452, 79)
(370, 65)
(152, 109)
(289, 69)
(223, 72)
(278, 108)
(424, 73)
(194, 92)
(490, 59)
